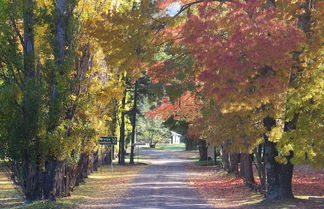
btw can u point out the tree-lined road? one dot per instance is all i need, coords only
(163, 184)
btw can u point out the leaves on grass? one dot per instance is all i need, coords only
(227, 191)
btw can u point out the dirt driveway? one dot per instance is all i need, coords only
(163, 183)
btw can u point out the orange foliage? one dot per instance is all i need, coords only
(186, 108)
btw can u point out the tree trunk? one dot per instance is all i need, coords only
(95, 160)
(279, 176)
(246, 170)
(121, 154)
(259, 162)
(108, 160)
(234, 160)
(225, 159)
(61, 16)
(113, 127)
(190, 144)
(29, 47)
(152, 145)
(134, 110)
(27, 169)
(202, 150)
(216, 154)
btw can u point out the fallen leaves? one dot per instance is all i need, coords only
(104, 188)
(101, 188)
(308, 182)
(226, 191)
(221, 189)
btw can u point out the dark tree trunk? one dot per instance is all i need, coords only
(259, 162)
(202, 150)
(58, 178)
(50, 177)
(246, 171)
(216, 154)
(95, 160)
(29, 52)
(134, 110)
(61, 16)
(234, 160)
(190, 144)
(108, 160)
(27, 168)
(121, 154)
(279, 176)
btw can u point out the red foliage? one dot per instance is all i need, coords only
(242, 49)
(159, 72)
(243, 57)
(249, 46)
(184, 108)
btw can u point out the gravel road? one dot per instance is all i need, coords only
(163, 184)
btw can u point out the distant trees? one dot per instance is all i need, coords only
(151, 129)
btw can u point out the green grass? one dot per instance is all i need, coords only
(172, 147)
(204, 163)
(210, 162)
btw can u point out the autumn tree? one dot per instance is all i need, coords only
(244, 70)
(55, 93)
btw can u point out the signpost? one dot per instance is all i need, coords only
(109, 141)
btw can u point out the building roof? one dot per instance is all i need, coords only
(175, 133)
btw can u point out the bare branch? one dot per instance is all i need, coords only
(187, 6)
(16, 80)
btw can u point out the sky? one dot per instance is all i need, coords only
(173, 9)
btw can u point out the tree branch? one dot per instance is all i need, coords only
(187, 6)
(14, 25)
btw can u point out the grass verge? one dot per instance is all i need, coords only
(102, 187)
(171, 147)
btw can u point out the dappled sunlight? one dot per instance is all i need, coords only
(169, 181)
(9, 196)
(163, 184)
(103, 188)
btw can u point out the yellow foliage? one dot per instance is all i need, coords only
(281, 159)
(275, 134)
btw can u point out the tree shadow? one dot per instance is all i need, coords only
(9, 195)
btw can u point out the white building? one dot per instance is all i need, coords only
(175, 139)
